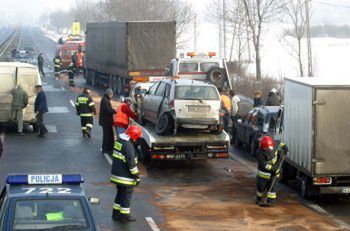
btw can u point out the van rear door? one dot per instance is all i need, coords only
(332, 136)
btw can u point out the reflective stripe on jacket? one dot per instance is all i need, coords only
(84, 105)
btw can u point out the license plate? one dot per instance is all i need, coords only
(198, 109)
(345, 189)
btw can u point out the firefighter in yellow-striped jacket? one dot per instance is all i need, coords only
(125, 173)
(269, 159)
(85, 109)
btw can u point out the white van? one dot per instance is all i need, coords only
(11, 74)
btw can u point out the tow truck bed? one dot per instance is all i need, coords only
(186, 144)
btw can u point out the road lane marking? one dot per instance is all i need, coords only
(109, 160)
(71, 102)
(51, 128)
(51, 88)
(151, 223)
(58, 110)
(56, 78)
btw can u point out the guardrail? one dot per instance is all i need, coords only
(7, 42)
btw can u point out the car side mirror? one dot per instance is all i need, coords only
(94, 200)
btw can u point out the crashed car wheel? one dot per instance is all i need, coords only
(164, 124)
(217, 76)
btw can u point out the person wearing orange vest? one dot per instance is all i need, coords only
(225, 108)
(121, 120)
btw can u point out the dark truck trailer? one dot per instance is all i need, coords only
(316, 129)
(118, 51)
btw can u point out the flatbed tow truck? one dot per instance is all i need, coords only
(186, 145)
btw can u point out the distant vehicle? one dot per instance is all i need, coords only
(259, 122)
(316, 130)
(29, 49)
(45, 202)
(127, 50)
(171, 104)
(11, 74)
(67, 50)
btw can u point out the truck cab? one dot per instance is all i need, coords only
(201, 66)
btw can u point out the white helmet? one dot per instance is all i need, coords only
(273, 90)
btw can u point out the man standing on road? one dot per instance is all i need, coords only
(19, 102)
(106, 121)
(57, 64)
(125, 173)
(124, 112)
(40, 108)
(85, 109)
(225, 108)
(269, 159)
(41, 64)
(71, 73)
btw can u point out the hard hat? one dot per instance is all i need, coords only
(273, 90)
(267, 143)
(134, 132)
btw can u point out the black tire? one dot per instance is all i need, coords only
(164, 124)
(217, 76)
(285, 174)
(305, 187)
(253, 147)
(236, 142)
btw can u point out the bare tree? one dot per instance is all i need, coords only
(86, 11)
(167, 10)
(259, 13)
(295, 14)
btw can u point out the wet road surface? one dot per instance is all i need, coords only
(177, 195)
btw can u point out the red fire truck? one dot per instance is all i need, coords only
(67, 50)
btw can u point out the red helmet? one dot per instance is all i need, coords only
(267, 143)
(134, 132)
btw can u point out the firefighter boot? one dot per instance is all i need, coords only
(258, 200)
(116, 214)
(127, 218)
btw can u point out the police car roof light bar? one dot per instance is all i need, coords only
(20, 179)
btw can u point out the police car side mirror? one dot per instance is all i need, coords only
(94, 200)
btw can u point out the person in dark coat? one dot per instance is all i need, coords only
(1, 144)
(258, 100)
(106, 122)
(41, 64)
(273, 99)
(40, 108)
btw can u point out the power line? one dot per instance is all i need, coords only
(330, 4)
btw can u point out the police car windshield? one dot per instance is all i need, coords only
(49, 214)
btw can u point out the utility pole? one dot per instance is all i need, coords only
(309, 48)
(195, 34)
(224, 24)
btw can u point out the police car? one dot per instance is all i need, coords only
(45, 202)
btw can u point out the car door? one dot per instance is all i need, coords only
(158, 101)
(147, 102)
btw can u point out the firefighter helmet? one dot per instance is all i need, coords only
(134, 132)
(267, 143)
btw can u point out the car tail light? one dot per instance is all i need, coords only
(172, 104)
(322, 180)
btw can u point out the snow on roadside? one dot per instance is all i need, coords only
(51, 35)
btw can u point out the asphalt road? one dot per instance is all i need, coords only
(201, 195)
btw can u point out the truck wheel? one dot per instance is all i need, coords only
(217, 76)
(306, 187)
(164, 124)
(285, 173)
(93, 79)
